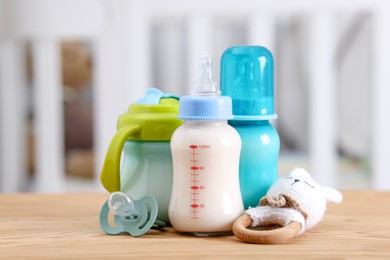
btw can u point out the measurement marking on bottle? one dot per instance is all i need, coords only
(194, 186)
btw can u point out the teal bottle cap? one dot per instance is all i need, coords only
(247, 76)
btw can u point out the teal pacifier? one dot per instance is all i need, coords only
(135, 217)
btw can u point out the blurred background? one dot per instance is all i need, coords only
(68, 69)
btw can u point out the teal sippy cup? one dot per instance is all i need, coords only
(143, 136)
(247, 77)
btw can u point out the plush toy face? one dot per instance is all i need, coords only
(300, 192)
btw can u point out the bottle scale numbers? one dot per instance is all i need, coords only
(196, 187)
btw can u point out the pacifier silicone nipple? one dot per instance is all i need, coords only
(205, 84)
(135, 217)
(121, 204)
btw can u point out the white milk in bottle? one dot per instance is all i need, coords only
(206, 196)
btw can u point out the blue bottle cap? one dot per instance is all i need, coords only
(247, 77)
(205, 108)
(205, 102)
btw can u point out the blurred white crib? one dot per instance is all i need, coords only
(119, 32)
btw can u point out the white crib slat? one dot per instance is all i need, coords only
(199, 38)
(12, 118)
(49, 116)
(122, 72)
(261, 31)
(137, 50)
(322, 101)
(380, 101)
(107, 84)
(169, 38)
(109, 90)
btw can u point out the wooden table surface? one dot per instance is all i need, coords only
(66, 226)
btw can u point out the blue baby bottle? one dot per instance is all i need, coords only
(247, 77)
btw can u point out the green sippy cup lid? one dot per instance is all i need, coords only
(152, 118)
(157, 115)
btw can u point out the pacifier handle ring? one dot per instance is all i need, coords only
(103, 218)
(273, 236)
(147, 218)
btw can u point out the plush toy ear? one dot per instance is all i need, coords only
(332, 195)
(299, 172)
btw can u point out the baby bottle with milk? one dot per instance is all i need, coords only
(247, 77)
(206, 196)
(143, 138)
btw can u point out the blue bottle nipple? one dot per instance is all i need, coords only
(247, 77)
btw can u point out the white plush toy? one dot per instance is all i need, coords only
(295, 202)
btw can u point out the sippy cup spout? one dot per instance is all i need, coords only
(205, 84)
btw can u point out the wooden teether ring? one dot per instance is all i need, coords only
(273, 236)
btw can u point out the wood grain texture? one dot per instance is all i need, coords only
(38, 226)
